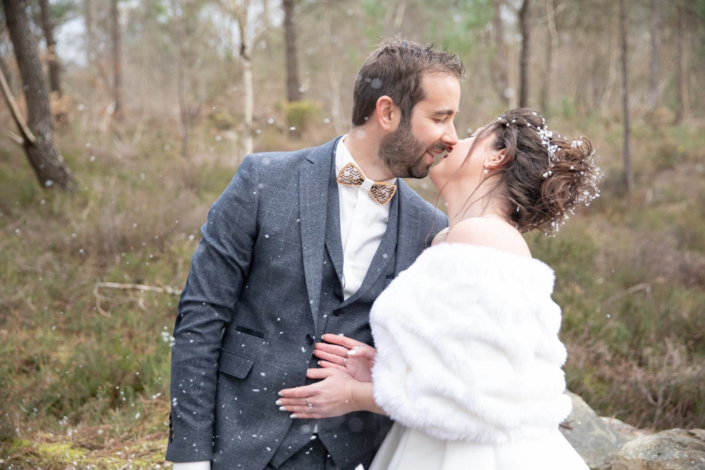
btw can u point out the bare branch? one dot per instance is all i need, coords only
(10, 100)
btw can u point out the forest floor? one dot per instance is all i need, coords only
(85, 370)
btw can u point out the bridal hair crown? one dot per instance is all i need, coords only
(570, 177)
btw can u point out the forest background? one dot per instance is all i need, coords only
(155, 102)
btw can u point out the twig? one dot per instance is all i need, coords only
(644, 286)
(16, 116)
(129, 287)
(142, 287)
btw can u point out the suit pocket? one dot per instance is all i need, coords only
(234, 364)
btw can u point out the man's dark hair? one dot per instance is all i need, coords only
(395, 69)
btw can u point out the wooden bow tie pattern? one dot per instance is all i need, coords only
(350, 175)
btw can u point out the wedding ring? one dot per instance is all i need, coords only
(310, 406)
(345, 361)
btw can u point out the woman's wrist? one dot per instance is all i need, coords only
(363, 397)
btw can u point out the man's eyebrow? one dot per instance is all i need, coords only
(444, 112)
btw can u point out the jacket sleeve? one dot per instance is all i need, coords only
(219, 268)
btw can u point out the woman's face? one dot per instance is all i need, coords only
(459, 166)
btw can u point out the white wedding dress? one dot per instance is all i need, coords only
(469, 364)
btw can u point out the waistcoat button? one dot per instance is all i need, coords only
(309, 339)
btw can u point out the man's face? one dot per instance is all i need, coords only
(411, 149)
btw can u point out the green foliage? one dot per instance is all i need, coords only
(300, 114)
(460, 27)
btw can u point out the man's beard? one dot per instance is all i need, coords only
(404, 155)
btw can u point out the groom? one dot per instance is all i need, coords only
(298, 245)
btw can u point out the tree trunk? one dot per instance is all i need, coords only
(43, 155)
(502, 76)
(180, 81)
(52, 62)
(246, 56)
(680, 66)
(655, 65)
(117, 61)
(524, 60)
(90, 33)
(550, 44)
(249, 103)
(628, 170)
(292, 65)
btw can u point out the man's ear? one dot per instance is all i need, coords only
(387, 113)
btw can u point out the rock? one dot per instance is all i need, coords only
(595, 441)
(675, 449)
(626, 429)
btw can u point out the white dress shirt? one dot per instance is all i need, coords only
(362, 225)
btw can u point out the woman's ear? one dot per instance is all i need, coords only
(496, 159)
(387, 113)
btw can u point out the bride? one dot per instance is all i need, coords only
(467, 359)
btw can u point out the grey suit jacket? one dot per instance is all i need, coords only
(250, 309)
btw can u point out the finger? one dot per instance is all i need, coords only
(307, 416)
(330, 357)
(331, 349)
(299, 411)
(342, 341)
(320, 374)
(298, 392)
(367, 353)
(290, 403)
(330, 365)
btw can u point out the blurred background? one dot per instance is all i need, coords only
(126, 119)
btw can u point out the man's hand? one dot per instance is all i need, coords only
(347, 355)
(332, 396)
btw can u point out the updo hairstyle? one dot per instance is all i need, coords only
(545, 175)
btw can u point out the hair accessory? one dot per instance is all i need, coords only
(546, 135)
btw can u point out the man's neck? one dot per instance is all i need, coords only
(363, 145)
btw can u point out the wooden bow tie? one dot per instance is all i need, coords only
(350, 175)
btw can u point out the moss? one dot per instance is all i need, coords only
(26, 454)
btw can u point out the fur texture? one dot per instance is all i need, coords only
(468, 349)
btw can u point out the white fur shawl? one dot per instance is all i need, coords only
(468, 349)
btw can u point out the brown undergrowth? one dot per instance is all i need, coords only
(87, 382)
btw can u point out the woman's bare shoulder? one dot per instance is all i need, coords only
(489, 232)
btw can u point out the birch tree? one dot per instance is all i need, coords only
(249, 30)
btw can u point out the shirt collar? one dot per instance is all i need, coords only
(343, 157)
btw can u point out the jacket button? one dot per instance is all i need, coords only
(336, 313)
(309, 339)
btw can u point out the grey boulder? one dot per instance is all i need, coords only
(595, 441)
(675, 449)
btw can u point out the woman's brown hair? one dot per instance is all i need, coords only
(545, 175)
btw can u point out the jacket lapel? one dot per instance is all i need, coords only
(407, 248)
(313, 199)
(334, 242)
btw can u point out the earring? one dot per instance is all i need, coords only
(486, 170)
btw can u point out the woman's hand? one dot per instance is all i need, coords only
(332, 396)
(347, 355)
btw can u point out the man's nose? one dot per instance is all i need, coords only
(450, 137)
